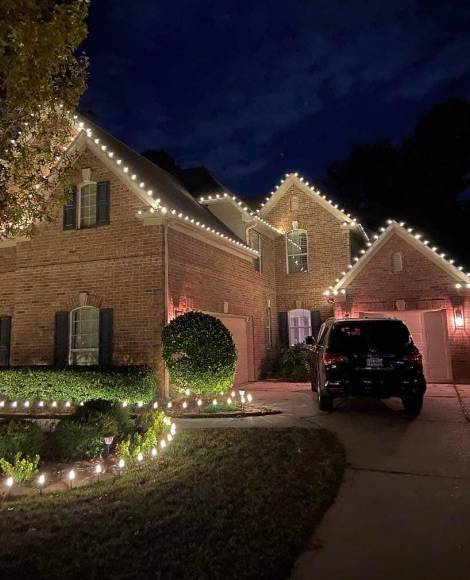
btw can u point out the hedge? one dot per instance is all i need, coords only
(130, 384)
(199, 353)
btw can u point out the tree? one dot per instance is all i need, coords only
(421, 181)
(41, 81)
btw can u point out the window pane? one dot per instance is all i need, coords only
(297, 255)
(84, 340)
(88, 205)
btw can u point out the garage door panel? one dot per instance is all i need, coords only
(429, 331)
(238, 328)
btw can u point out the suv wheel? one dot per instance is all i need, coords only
(413, 403)
(325, 401)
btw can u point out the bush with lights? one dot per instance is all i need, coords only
(199, 353)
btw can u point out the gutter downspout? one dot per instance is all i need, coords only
(166, 295)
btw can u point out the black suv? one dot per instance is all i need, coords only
(367, 357)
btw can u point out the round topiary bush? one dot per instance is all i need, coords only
(199, 353)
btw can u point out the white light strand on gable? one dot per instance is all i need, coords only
(333, 290)
(239, 203)
(161, 208)
(347, 216)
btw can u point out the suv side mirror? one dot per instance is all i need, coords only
(310, 340)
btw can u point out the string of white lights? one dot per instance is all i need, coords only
(156, 203)
(450, 263)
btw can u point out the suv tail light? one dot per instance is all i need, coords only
(414, 358)
(332, 358)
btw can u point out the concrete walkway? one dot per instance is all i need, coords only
(403, 511)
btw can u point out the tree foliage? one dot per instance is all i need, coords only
(41, 80)
(423, 180)
(199, 353)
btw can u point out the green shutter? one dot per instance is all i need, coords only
(283, 330)
(61, 339)
(106, 337)
(102, 202)
(5, 336)
(70, 209)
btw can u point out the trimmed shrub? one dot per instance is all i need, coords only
(143, 441)
(130, 384)
(22, 468)
(75, 440)
(22, 437)
(293, 364)
(199, 353)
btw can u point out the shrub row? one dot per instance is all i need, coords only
(131, 384)
(82, 435)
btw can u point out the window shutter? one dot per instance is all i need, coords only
(5, 334)
(283, 330)
(61, 341)
(106, 337)
(315, 318)
(102, 202)
(70, 209)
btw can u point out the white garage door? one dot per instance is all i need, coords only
(429, 331)
(238, 326)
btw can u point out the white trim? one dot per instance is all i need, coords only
(295, 314)
(415, 241)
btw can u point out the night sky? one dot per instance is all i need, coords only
(253, 89)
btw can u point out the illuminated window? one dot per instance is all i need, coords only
(84, 336)
(87, 201)
(300, 325)
(254, 239)
(397, 262)
(297, 251)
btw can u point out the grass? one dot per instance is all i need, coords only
(222, 503)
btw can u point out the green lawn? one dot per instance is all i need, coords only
(222, 503)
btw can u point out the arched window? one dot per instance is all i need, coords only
(297, 251)
(84, 336)
(294, 203)
(300, 325)
(397, 262)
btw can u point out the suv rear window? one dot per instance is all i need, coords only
(361, 336)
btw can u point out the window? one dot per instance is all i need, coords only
(87, 203)
(268, 327)
(297, 251)
(300, 325)
(294, 203)
(84, 336)
(397, 262)
(255, 243)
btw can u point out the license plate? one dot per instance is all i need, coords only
(374, 362)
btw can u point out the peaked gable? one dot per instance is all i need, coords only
(458, 276)
(293, 179)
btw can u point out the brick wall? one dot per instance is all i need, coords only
(203, 277)
(119, 265)
(422, 285)
(329, 252)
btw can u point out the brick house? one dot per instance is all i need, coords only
(138, 244)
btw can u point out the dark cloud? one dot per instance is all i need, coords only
(249, 88)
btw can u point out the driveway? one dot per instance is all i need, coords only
(403, 511)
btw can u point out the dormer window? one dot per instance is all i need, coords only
(87, 204)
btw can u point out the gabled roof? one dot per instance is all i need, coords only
(460, 278)
(160, 191)
(328, 204)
